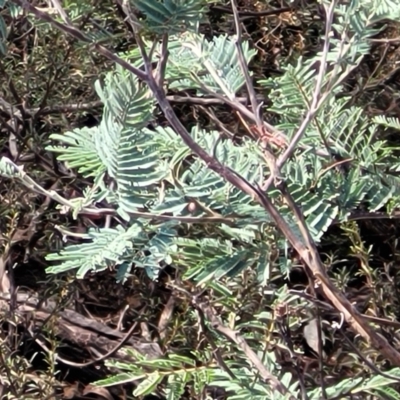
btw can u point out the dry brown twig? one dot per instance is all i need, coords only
(77, 328)
(308, 251)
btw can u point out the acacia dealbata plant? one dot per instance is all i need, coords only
(197, 200)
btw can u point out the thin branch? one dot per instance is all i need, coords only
(61, 12)
(13, 111)
(256, 107)
(105, 356)
(217, 122)
(162, 64)
(216, 350)
(244, 68)
(63, 108)
(315, 104)
(368, 363)
(392, 40)
(244, 111)
(282, 322)
(256, 14)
